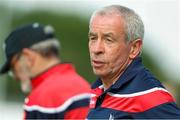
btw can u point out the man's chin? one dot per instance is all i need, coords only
(98, 73)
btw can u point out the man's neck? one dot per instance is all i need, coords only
(109, 80)
(45, 64)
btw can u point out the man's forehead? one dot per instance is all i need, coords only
(106, 19)
(107, 23)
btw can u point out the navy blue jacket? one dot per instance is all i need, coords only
(136, 94)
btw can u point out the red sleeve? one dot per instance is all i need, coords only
(24, 115)
(78, 113)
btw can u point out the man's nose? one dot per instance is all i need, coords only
(98, 47)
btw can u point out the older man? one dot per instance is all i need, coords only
(125, 88)
(56, 90)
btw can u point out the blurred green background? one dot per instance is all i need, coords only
(71, 29)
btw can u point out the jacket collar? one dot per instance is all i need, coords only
(54, 69)
(128, 74)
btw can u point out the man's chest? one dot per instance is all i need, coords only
(106, 106)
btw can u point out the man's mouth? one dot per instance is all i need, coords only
(97, 63)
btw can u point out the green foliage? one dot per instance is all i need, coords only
(153, 67)
(14, 90)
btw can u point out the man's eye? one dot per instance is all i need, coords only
(109, 40)
(92, 38)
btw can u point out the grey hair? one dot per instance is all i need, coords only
(134, 27)
(47, 48)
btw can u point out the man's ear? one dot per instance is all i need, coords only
(29, 55)
(136, 47)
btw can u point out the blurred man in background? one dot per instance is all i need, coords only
(125, 88)
(56, 90)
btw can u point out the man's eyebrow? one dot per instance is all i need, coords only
(92, 34)
(108, 34)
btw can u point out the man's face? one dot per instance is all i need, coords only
(21, 72)
(109, 51)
